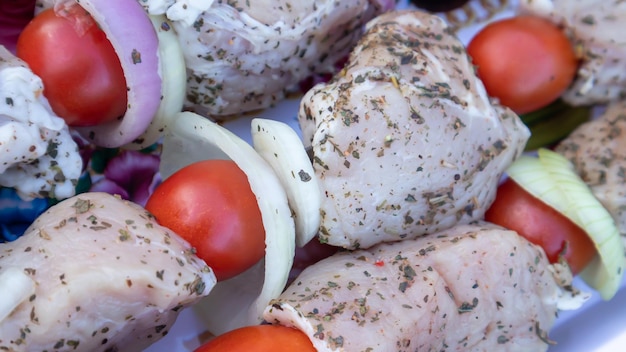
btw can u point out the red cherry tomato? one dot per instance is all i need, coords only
(82, 75)
(526, 62)
(210, 204)
(260, 338)
(516, 209)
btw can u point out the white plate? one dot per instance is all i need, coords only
(598, 326)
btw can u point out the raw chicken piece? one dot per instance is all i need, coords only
(38, 156)
(405, 140)
(244, 55)
(470, 288)
(598, 151)
(106, 277)
(597, 28)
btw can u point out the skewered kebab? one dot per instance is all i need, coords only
(245, 56)
(96, 273)
(250, 68)
(476, 287)
(405, 139)
(339, 308)
(595, 28)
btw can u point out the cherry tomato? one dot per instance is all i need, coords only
(260, 338)
(518, 210)
(526, 62)
(82, 75)
(210, 204)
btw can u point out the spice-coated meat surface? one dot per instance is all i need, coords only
(598, 151)
(38, 156)
(106, 277)
(245, 55)
(470, 288)
(596, 29)
(405, 140)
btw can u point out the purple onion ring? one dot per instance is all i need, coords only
(133, 37)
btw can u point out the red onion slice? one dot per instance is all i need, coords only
(133, 37)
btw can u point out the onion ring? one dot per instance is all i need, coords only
(130, 31)
(173, 81)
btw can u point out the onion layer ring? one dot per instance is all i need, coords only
(133, 37)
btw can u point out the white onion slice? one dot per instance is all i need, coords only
(553, 179)
(239, 301)
(131, 34)
(174, 83)
(282, 148)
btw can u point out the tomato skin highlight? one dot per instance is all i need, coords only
(210, 204)
(525, 61)
(260, 338)
(517, 210)
(81, 72)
